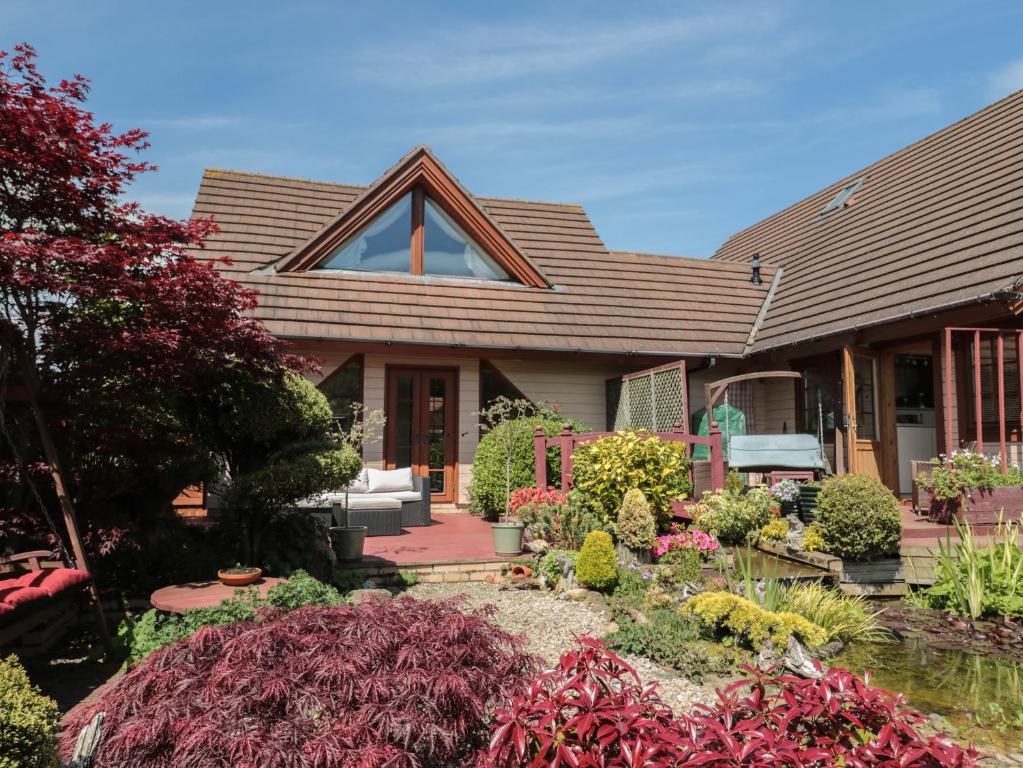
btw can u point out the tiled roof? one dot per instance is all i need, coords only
(607, 302)
(934, 225)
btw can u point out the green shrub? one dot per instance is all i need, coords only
(637, 528)
(155, 629)
(675, 641)
(776, 530)
(564, 526)
(604, 470)
(597, 566)
(633, 583)
(29, 721)
(859, 518)
(679, 566)
(813, 538)
(487, 488)
(550, 568)
(733, 517)
(750, 624)
(842, 617)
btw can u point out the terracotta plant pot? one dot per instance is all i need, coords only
(239, 577)
(521, 572)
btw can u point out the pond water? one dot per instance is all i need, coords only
(764, 564)
(981, 697)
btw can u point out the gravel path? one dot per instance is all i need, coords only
(551, 626)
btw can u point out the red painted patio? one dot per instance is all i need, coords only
(451, 538)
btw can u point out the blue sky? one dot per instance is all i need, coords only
(674, 124)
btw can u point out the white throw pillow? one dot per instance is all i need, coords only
(381, 481)
(360, 484)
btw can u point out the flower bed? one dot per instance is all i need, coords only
(970, 487)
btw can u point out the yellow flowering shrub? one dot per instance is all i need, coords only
(749, 623)
(813, 538)
(776, 530)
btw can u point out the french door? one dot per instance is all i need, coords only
(422, 426)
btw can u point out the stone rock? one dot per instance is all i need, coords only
(594, 598)
(538, 546)
(370, 584)
(609, 629)
(367, 595)
(578, 594)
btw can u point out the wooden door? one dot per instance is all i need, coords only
(422, 426)
(861, 381)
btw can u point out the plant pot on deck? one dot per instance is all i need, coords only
(348, 542)
(508, 537)
(981, 507)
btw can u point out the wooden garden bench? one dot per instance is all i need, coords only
(35, 589)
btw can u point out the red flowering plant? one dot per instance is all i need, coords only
(539, 509)
(592, 711)
(682, 540)
(399, 684)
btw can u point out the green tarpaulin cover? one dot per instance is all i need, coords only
(701, 426)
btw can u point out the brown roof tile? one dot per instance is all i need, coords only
(604, 301)
(936, 224)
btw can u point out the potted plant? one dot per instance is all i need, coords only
(239, 575)
(511, 413)
(347, 540)
(786, 491)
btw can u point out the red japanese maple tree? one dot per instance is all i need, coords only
(107, 318)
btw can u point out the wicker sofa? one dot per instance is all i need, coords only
(415, 507)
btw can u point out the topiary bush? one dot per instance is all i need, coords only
(597, 565)
(28, 721)
(733, 517)
(859, 518)
(749, 623)
(487, 488)
(637, 528)
(604, 470)
(398, 683)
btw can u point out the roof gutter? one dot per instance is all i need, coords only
(762, 314)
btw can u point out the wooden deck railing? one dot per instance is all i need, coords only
(568, 441)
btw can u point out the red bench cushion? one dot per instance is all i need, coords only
(53, 581)
(36, 585)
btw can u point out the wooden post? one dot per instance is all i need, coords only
(56, 472)
(949, 374)
(565, 441)
(1000, 347)
(717, 458)
(540, 456)
(977, 400)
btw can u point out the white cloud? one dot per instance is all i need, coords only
(479, 54)
(1006, 80)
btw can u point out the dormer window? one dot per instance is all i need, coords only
(415, 236)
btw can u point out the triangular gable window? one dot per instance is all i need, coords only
(415, 236)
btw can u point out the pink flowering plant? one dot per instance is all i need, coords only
(682, 541)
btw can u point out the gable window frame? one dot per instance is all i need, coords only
(418, 247)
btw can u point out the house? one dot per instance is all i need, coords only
(427, 301)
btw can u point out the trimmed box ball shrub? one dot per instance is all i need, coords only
(604, 470)
(597, 565)
(637, 528)
(401, 683)
(28, 721)
(592, 711)
(859, 518)
(487, 490)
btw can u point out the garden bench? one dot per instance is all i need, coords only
(34, 591)
(364, 505)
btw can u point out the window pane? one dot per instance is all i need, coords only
(384, 245)
(449, 251)
(343, 389)
(866, 398)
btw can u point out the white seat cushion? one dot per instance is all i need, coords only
(360, 484)
(405, 495)
(370, 501)
(385, 481)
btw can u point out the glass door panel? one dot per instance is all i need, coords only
(865, 372)
(403, 414)
(436, 433)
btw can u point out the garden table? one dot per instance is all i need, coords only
(202, 594)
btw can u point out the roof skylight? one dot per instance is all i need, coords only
(843, 196)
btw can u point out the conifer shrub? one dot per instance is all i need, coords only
(859, 518)
(750, 624)
(597, 566)
(637, 528)
(28, 721)
(400, 683)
